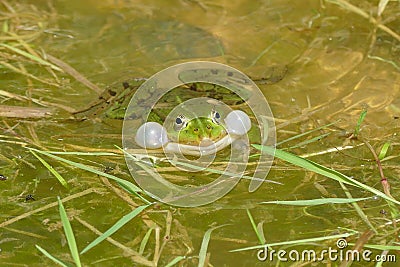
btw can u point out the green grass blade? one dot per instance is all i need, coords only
(78, 153)
(204, 245)
(260, 236)
(317, 168)
(133, 187)
(148, 169)
(51, 169)
(69, 234)
(359, 211)
(260, 230)
(312, 140)
(314, 202)
(121, 222)
(51, 257)
(379, 247)
(129, 190)
(32, 57)
(297, 242)
(305, 133)
(175, 261)
(306, 164)
(359, 122)
(384, 150)
(145, 240)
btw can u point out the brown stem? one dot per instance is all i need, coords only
(384, 181)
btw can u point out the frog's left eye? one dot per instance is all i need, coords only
(215, 116)
(180, 122)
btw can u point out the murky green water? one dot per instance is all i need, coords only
(337, 64)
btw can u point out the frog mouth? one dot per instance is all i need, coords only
(207, 147)
(206, 141)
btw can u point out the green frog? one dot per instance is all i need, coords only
(196, 130)
(197, 136)
(112, 103)
(181, 132)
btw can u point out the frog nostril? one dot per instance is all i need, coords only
(196, 129)
(209, 127)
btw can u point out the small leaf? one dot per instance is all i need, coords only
(359, 122)
(384, 150)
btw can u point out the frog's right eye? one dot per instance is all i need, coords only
(180, 122)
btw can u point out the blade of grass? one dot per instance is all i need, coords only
(381, 6)
(11, 67)
(358, 209)
(121, 222)
(314, 202)
(69, 234)
(145, 240)
(379, 247)
(204, 245)
(386, 61)
(74, 73)
(51, 169)
(175, 261)
(128, 184)
(260, 229)
(32, 57)
(76, 153)
(312, 140)
(384, 150)
(306, 133)
(260, 236)
(359, 122)
(298, 241)
(366, 15)
(306, 164)
(317, 168)
(51, 257)
(144, 166)
(130, 191)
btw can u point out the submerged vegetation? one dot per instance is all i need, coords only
(336, 169)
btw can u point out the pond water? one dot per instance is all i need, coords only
(333, 62)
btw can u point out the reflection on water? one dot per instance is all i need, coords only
(336, 63)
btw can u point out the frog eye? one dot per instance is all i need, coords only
(215, 116)
(180, 122)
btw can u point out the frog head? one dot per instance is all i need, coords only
(200, 130)
(188, 135)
